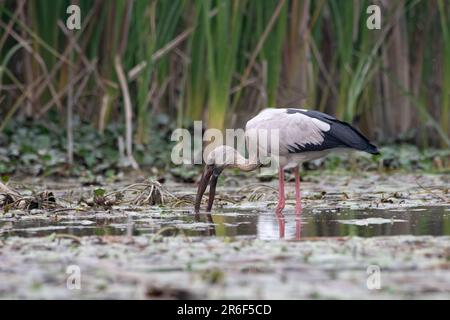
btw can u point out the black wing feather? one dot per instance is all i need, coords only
(340, 135)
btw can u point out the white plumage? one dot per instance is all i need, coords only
(293, 129)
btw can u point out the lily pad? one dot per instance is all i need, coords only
(369, 221)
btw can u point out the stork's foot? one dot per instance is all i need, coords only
(279, 209)
(279, 213)
(281, 196)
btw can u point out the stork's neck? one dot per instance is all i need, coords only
(245, 164)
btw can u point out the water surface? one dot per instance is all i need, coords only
(242, 222)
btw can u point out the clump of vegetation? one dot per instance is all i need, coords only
(11, 199)
(149, 192)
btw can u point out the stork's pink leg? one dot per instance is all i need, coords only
(281, 196)
(298, 196)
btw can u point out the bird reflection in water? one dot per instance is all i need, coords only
(282, 227)
(210, 230)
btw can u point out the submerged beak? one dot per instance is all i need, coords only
(202, 186)
(212, 188)
(207, 173)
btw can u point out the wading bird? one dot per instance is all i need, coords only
(304, 135)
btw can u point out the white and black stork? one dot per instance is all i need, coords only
(304, 135)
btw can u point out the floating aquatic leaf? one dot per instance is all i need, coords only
(368, 221)
(194, 226)
(86, 222)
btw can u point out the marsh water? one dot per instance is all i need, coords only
(128, 249)
(262, 225)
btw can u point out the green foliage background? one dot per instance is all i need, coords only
(220, 61)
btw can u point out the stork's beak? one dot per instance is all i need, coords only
(210, 170)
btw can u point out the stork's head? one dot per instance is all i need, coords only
(218, 159)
